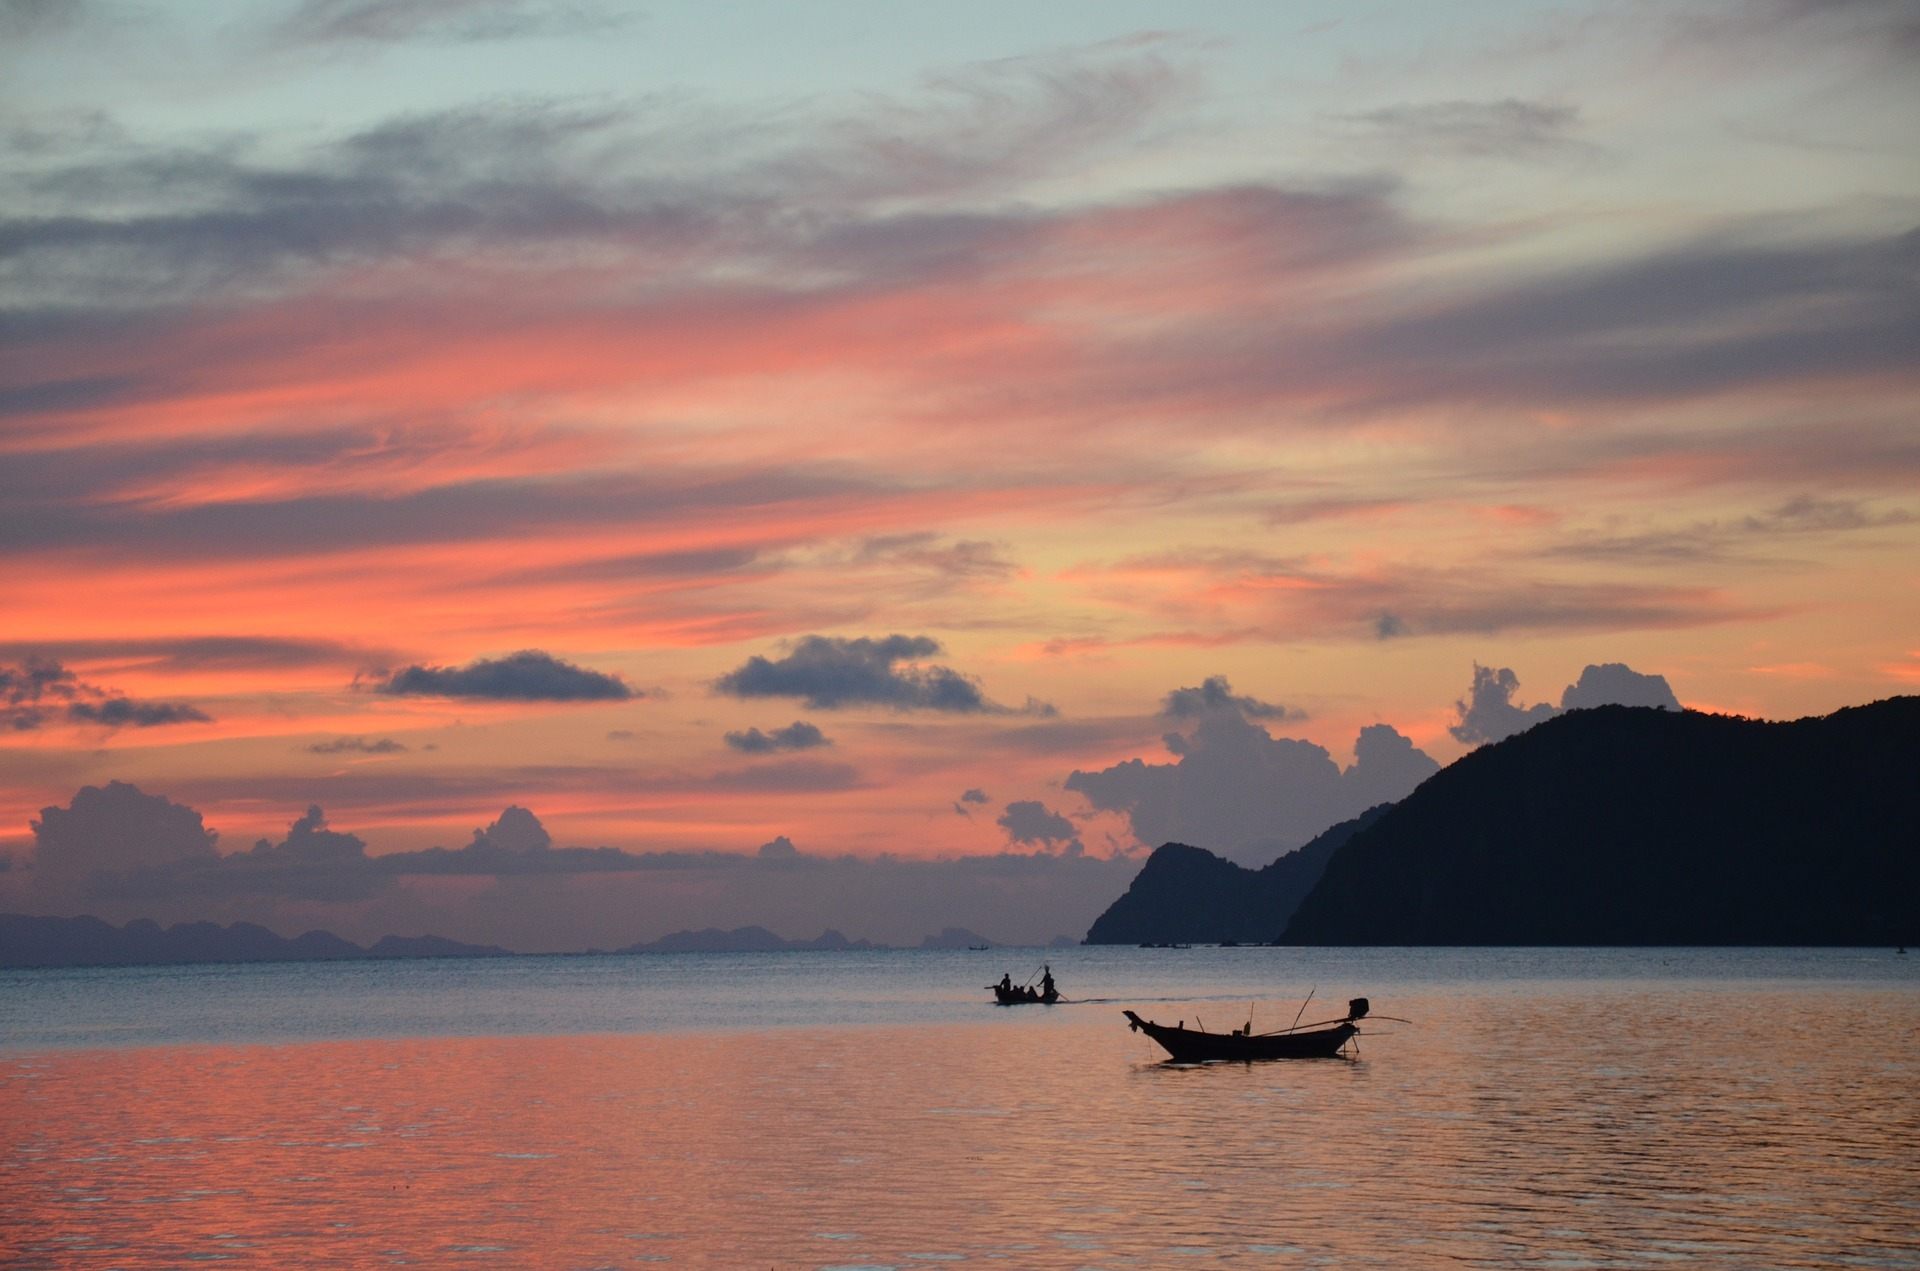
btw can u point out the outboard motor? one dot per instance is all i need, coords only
(1357, 1008)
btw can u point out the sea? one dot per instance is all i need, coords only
(1552, 1108)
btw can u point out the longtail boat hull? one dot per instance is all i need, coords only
(1191, 1046)
(1019, 997)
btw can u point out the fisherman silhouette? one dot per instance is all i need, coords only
(1046, 984)
(1006, 982)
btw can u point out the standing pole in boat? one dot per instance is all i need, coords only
(1303, 1008)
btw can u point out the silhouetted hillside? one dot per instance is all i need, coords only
(1185, 894)
(31, 941)
(1620, 825)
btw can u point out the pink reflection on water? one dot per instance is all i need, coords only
(1498, 1132)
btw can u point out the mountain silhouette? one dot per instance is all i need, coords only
(1624, 825)
(743, 940)
(1187, 894)
(34, 941)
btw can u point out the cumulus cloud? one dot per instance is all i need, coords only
(1617, 684)
(1237, 790)
(313, 862)
(1215, 694)
(778, 848)
(38, 690)
(831, 672)
(112, 829)
(515, 843)
(974, 795)
(527, 676)
(129, 854)
(1386, 766)
(1033, 822)
(1489, 712)
(515, 830)
(799, 735)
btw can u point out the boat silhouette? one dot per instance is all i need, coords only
(1324, 1040)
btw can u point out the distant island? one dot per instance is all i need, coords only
(1629, 826)
(744, 940)
(1188, 895)
(32, 941)
(956, 938)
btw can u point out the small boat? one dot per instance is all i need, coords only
(1024, 996)
(1185, 1045)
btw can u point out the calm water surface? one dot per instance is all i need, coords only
(1548, 1108)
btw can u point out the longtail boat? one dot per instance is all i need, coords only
(1023, 996)
(1323, 1040)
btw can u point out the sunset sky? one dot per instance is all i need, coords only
(822, 430)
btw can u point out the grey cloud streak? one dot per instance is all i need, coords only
(39, 690)
(1739, 308)
(530, 675)
(348, 22)
(1749, 537)
(1730, 315)
(1215, 693)
(798, 735)
(358, 746)
(458, 511)
(1510, 128)
(191, 653)
(833, 672)
(1406, 601)
(210, 218)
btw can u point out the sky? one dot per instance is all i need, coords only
(888, 467)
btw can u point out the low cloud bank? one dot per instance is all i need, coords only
(123, 853)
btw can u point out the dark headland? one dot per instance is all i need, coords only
(1187, 895)
(1610, 826)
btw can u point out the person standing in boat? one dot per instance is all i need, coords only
(1046, 984)
(1006, 983)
